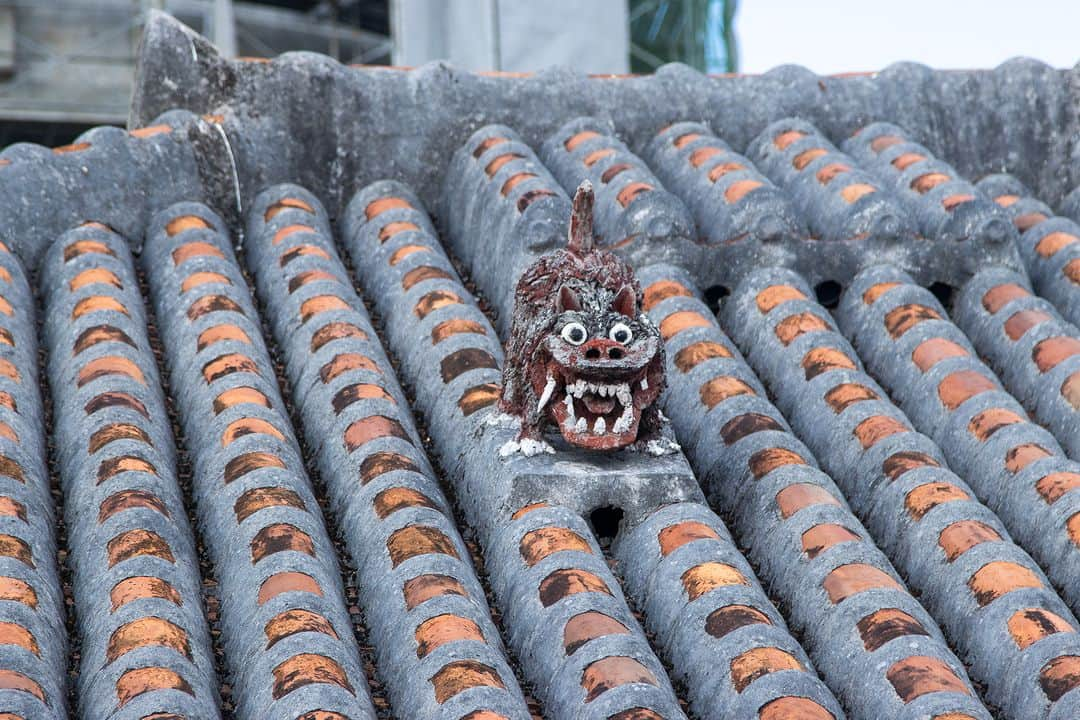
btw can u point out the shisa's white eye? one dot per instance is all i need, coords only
(574, 333)
(621, 333)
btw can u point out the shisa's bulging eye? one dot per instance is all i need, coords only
(621, 333)
(574, 333)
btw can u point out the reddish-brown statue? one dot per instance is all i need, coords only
(581, 354)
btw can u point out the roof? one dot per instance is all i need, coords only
(259, 472)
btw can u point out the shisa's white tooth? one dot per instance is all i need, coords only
(623, 393)
(622, 424)
(581, 426)
(569, 407)
(546, 395)
(600, 426)
(644, 383)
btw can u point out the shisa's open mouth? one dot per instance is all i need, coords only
(597, 415)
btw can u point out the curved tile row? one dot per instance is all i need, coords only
(635, 215)
(723, 640)
(566, 618)
(502, 208)
(842, 594)
(145, 643)
(996, 607)
(731, 201)
(931, 370)
(1049, 244)
(1032, 349)
(397, 524)
(287, 635)
(33, 636)
(838, 200)
(946, 206)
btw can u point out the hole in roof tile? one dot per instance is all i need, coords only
(309, 276)
(842, 396)
(97, 303)
(529, 197)
(944, 292)
(371, 428)
(828, 293)
(115, 400)
(111, 467)
(301, 251)
(461, 361)
(613, 171)
(249, 426)
(714, 295)
(321, 304)
(359, 391)
(725, 168)
(1027, 221)
(933, 350)
(116, 432)
(999, 296)
(183, 223)
(574, 140)
(605, 523)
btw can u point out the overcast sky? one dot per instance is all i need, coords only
(830, 36)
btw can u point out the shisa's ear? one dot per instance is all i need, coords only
(568, 300)
(581, 220)
(625, 302)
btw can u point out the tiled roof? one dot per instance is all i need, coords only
(255, 469)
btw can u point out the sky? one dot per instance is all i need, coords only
(831, 36)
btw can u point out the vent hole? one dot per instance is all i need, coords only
(592, 354)
(615, 354)
(714, 295)
(828, 293)
(605, 523)
(944, 293)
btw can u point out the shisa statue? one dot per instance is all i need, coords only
(582, 355)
